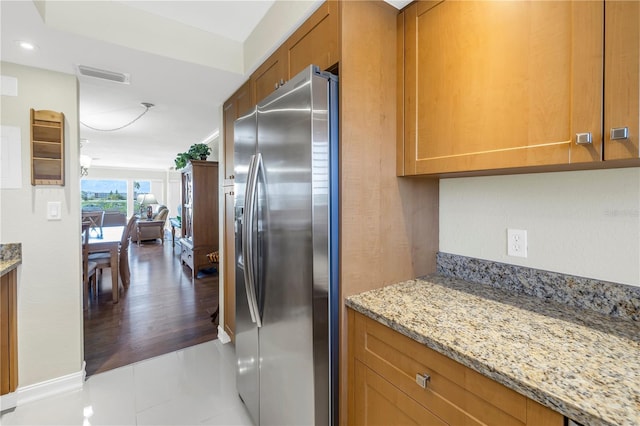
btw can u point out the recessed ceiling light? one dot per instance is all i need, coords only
(26, 45)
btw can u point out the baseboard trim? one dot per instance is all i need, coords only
(223, 336)
(70, 382)
(8, 401)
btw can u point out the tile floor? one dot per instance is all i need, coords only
(192, 386)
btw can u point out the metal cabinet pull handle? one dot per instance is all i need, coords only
(583, 138)
(619, 133)
(422, 379)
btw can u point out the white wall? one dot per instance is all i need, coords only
(584, 223)
(50, 335)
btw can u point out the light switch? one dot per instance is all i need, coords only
(54, 210)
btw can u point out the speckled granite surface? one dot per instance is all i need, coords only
(10, 256)
(582, 364)
(607, 298)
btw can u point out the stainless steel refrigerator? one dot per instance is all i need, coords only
(286, 229)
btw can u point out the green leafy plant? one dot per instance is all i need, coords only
(197, 151)
(181, 160)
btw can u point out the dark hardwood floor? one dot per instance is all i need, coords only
(161, 311)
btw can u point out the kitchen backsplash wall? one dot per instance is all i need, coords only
(583, 223)
(603, 297)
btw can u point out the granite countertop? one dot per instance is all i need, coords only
(580, 363)
(10, 257)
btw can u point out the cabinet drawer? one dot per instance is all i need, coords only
(453, 391)
(381, 403)
(187, 256)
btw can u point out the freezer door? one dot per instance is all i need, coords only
(246, 333)
(292, 138)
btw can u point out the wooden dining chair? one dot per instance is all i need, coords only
(94, 219)
(125, 272)
(103, 259)
(89, 270)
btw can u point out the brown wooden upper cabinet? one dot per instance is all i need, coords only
(314, 42)
(270, 75)
(495, 85)
(237, 104)
(621, 88)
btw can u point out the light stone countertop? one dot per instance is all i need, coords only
(582, 364)
(10, 257)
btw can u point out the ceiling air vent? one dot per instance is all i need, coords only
(117, 77)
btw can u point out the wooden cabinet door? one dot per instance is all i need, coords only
(270, 75)
(8, 333)
(237, 104)
(492, 85)
(316, 41)
(383, 386)
(187, 203)
(621, 88)
(229, 265)
(378, 402)
(228, 117)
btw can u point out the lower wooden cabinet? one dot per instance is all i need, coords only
(383, 386)
(378, 402)
(8, 333)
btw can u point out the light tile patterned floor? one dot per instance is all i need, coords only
(192, 386)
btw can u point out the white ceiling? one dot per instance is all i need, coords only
(186, 57)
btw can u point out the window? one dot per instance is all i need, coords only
(103, 194)
(139, 187)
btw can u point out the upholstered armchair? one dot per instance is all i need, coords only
(151, 229)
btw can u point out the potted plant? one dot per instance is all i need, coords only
(199, 151)
(182, 159)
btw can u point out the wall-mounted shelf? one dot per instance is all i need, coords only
(47, 147)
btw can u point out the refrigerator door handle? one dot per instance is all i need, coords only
(247, 231)
(251, 196)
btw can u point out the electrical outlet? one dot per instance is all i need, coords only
(517, 242)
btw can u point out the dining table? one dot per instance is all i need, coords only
(110, 242)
